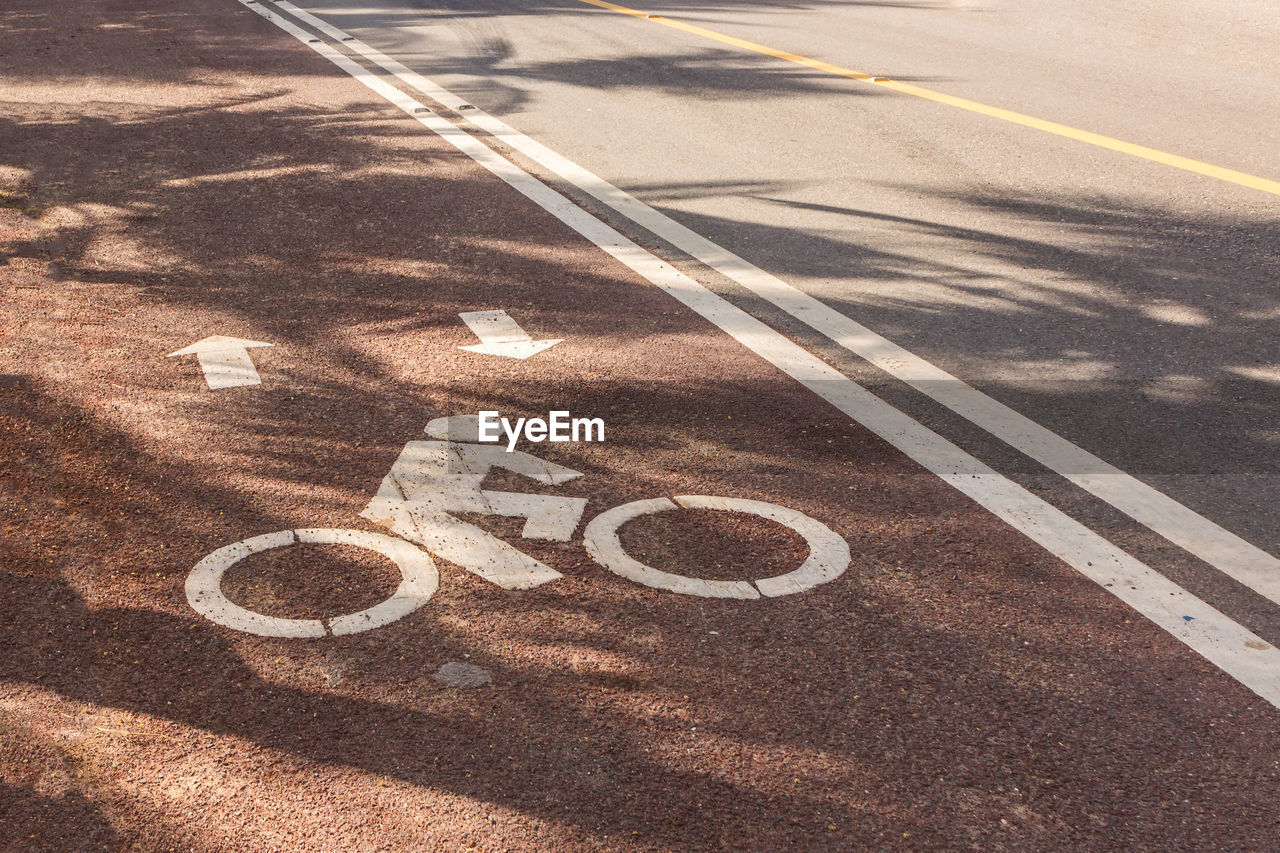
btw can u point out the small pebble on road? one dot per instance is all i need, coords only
(462, 675)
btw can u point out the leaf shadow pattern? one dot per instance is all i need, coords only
(919, 695)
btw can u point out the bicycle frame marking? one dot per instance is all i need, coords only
(432, 479)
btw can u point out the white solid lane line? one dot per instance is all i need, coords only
(1222, 641)
(1205, 539)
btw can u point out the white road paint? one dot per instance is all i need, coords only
(1227, 644)
(460, 428)
(419, 581)
(433, 480)
(225, 360)
(1205, 539)
(500, 335)
(828, 553)
(602, 543)
(827, 560)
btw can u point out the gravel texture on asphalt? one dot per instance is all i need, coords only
(171, 171)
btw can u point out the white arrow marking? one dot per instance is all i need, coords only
(500, 335)
(225, 360)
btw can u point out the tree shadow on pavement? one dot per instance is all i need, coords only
(608, 697)
(954, 676)
(43, 822)
(1153, 335)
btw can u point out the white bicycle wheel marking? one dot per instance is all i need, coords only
(420, 579)
(828, 553)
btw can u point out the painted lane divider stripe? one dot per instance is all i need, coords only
(1195, 534)
(225, 361)
(1177, 161)
(1224, 642)
(501, 335)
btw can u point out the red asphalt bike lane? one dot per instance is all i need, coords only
(175, 172)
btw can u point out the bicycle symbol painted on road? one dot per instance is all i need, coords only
(432, 480)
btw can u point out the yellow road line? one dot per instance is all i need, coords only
(1176, 161)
